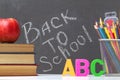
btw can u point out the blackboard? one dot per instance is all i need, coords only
(59, 29)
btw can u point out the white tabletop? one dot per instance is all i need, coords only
(58, 77)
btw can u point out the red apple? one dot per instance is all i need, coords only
(9, 30)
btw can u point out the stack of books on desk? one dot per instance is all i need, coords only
(17, 60)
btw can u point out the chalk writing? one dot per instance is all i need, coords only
(46, 62)
(53, 24)
(66, 18)
(81, 43)
(56, 60)
(64, 45)
(86, 32)
(30, 29)
(63, 51)
(74, 44)
(50, 44)
(59, 40)
(45, 27)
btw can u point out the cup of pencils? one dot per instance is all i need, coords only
(109, 34)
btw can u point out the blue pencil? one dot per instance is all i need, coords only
(107, 57)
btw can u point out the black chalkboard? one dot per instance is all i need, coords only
(59, 29)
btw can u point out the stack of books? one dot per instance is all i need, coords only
(17, 60)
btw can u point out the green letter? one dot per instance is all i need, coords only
(93, 67)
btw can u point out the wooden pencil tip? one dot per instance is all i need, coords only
(95, 27)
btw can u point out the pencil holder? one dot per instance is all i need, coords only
(110, 54)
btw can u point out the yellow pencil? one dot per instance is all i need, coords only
(106, 67)
(101, 23)
(106, 31)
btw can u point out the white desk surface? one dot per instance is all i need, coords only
(58, 77)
